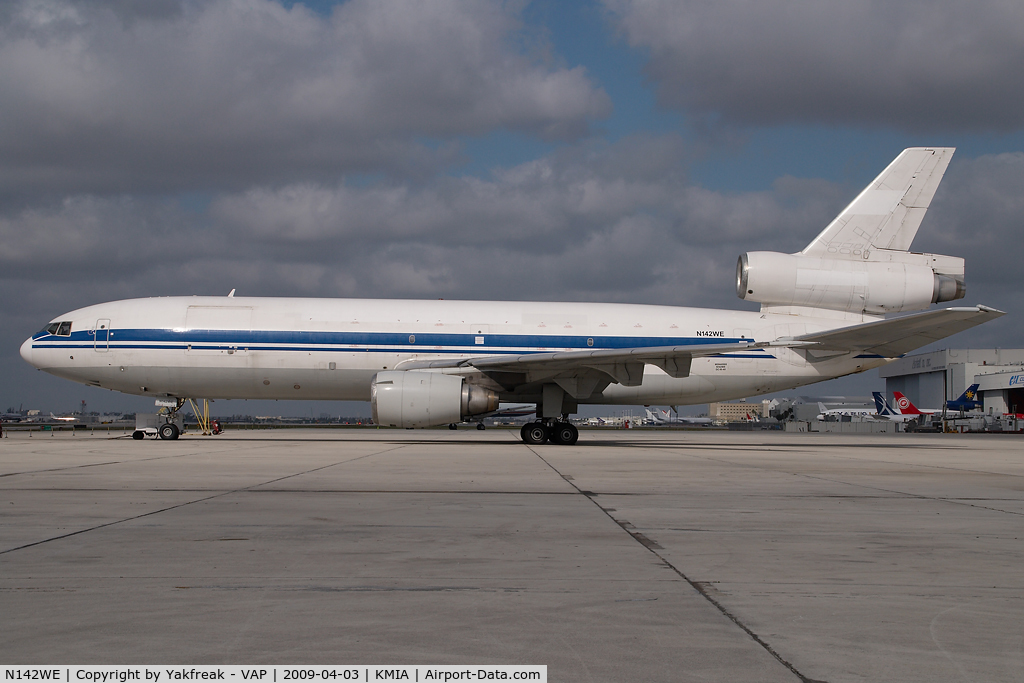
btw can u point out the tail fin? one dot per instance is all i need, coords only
(881, 405)
(904, 405)
(966, 401)
(888, 212)
(968, 394)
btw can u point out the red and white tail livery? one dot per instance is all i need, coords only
(907, 407)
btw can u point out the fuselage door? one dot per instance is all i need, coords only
(102, 335)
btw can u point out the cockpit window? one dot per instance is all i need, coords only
(61, 329)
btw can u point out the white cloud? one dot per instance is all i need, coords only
(227, 93)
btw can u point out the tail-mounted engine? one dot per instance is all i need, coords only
(426, 399)
(885, 281)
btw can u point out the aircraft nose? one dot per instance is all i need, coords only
(26, 351)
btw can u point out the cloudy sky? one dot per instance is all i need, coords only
(586, 151)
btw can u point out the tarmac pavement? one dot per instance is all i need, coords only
(633, 555)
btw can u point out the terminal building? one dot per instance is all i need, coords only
(930, 379)
(737, 411)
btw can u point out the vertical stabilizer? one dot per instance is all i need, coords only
(881, 405)
(888, 212)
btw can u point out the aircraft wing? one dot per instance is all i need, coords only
(896, 336)
(674, 360)
(584, 372)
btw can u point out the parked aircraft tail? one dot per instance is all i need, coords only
(904, 405)
(966, 401)
(881, 405)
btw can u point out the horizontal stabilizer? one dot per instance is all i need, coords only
(896, 336)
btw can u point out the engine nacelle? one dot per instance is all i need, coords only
(426, 399)
(856, 286)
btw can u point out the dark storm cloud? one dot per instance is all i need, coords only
(979, 214)
(913, 65)
(591, 222)
(101, 97)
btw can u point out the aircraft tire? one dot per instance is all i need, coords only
(480, 426)
(575, 435)
(138, 435)
(169, 431)
(534, 433)
(453, 426)
(564, 434)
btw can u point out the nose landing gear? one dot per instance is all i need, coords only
(169, 431)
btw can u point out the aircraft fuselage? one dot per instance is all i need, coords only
(282, 348)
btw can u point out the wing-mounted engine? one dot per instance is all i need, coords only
(885, 282)
(426, 399)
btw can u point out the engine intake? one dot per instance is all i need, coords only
(890, 282)
(426, 399)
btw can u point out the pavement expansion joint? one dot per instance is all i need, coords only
(701, 587)
(219, 494)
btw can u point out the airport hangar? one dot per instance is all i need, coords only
(930, 379)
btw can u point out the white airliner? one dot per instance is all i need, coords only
(426, 363)
(662, 417)
(824, 413)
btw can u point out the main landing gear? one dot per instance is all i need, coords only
(559, 432)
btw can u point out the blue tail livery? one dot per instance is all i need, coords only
(967, 400)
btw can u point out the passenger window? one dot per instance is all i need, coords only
(65, 329)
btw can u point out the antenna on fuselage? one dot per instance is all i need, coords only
(231, 294)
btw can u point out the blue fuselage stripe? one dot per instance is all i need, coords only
(376, 342)
(411, 339)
